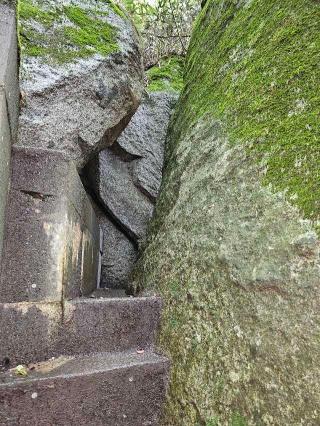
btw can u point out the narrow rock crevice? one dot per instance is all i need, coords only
(124, 181)
(99, 205)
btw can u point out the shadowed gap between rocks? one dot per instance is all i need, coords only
(123, 182)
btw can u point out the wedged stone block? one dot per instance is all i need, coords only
(119, 254)
(82, 96)
(126, 180)
(52, 238)
(105, 389)
(32, 332)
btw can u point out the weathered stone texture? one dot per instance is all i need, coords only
(77, 105)
(52, 238)
(119, 254)
(126, 179)
(239, 271)
(234, 258)
(5, 145)
(9, 65)
(37, 331)
(102, 390)
(144, 139)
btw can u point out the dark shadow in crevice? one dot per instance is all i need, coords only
(122, 154)
(93, 196)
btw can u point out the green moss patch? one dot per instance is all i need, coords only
(256, 68)
(62, 34)
(168, 75)
(234, 262)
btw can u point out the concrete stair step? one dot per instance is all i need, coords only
(38, 331)
(108, 293)
(102, 389)
(52, 237)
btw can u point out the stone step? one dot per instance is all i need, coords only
(103, 389)
(52, 238)
(32, 332)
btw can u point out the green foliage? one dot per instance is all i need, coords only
(165, 26)
(140, 11)
(62, 34)
(167, 75)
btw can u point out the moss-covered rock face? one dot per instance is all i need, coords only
(233, 248)
(63, 32)
(255, 65)
(81, 75)
(167, 75)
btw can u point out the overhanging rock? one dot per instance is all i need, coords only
(81, 76)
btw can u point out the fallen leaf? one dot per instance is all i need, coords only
(21, 370)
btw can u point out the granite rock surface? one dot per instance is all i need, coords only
(125, 179)
(234, 245)
(81, 75)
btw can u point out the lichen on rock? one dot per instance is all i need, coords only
(255, 65)
(233, 248)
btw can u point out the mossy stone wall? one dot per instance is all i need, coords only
(233, 248)
(255, 65)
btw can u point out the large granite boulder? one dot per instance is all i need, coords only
(81, 75)
(144, 138)
(126, 177)
(234, 247)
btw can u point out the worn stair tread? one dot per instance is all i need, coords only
(124, 389)
(68, 367)
(110, 293)
(112, 296)
(35, 331)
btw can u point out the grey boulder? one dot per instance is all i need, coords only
(78, 105)
(145, 138)
(119, 254)
(127, 176)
